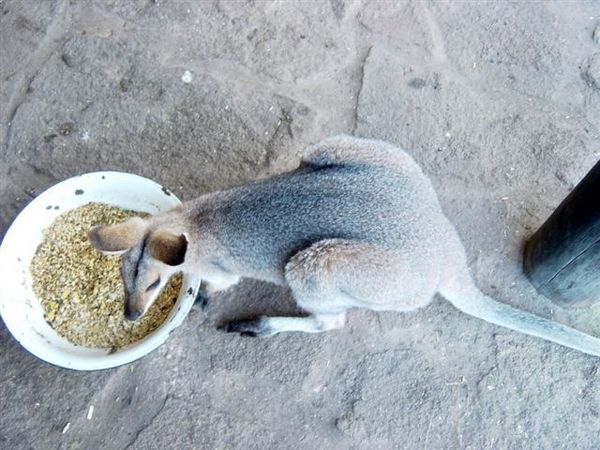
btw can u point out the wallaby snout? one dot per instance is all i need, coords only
(133, 308)
(132, 314)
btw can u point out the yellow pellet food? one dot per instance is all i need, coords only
(81, 290)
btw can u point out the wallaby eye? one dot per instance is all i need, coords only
(153, 285)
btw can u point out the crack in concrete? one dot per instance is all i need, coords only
(52, 40)
(20, 99)
(150, 422)
(285, 119)
(187, 401)
(41, 171)
(360, 87)
(438, 50)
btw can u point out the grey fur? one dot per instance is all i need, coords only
(358, 225)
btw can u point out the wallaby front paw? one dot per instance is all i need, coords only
(254, 327)
(203, 297)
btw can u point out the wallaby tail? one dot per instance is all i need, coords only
(464, 295)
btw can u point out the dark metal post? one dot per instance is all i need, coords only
(562, 259)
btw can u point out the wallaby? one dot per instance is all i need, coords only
(357, 225)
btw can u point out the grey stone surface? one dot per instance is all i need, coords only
(498, 102)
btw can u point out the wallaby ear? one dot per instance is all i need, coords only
(167, 247)
(119, 237)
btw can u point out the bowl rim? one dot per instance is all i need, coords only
(128, 353)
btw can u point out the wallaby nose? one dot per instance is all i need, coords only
(132, 313)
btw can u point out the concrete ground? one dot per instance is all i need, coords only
(499, 103)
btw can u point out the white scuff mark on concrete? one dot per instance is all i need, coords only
(187, 77)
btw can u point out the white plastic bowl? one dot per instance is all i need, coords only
(22, 312)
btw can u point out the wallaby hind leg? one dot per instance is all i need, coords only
(334, 275)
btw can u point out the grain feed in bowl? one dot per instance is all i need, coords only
(80, 288)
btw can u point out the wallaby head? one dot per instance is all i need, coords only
(150, 256)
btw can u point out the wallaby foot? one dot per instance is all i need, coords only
(264, 326)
